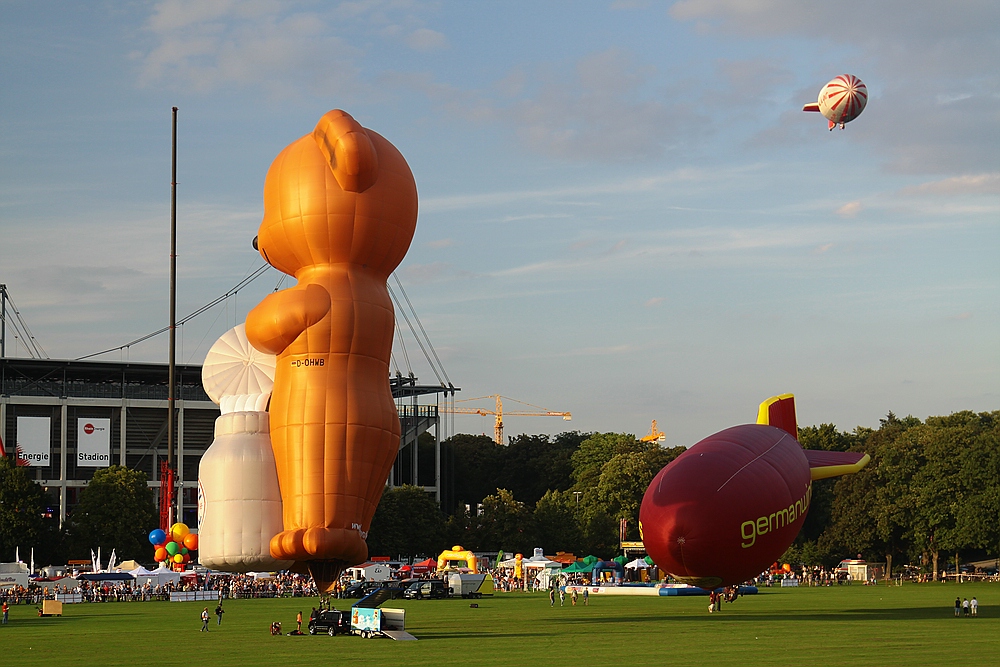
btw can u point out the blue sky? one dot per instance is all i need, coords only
(624, 212)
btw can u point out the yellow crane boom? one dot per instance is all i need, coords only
(655, 434)
(499, 412)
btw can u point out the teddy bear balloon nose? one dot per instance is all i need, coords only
(254, 243)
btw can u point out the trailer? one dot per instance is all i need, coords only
(369, 620)
(470, 585)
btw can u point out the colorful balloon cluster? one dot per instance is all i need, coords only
(174, 547)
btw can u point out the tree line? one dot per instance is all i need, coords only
(116, 511)
(932, 488)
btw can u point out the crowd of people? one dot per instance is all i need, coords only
(228, 586)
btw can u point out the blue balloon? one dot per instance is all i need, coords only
(157, 537)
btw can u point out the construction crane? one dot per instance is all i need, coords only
(655, 434)
(499, 412)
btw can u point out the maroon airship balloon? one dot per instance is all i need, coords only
(728, 507)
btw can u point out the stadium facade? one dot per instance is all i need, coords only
(68, 419)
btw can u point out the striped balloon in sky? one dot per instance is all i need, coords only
(841, 101)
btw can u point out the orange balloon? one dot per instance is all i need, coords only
(160, 554)
(340, 209)
(191, 541)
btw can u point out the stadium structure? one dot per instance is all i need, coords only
(47, 407)
(66, 419)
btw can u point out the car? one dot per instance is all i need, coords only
(426, 589)
(330, 621)
(362, 588)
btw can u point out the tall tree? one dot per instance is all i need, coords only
(533, 464)
(407, 523)
(505, 523)
(596, 450)
(556, 522)
(624, 480)
(116, 511)
(21, 506)
(473, 464)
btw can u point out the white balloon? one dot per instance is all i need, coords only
(239, 503)
(234, 367)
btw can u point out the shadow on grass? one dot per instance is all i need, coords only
(792, 616)
(479, 634)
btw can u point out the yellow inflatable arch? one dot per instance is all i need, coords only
(457, 553)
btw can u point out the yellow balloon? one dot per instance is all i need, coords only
(178, 558)
(178, 531)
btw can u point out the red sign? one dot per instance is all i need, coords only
(88, 429)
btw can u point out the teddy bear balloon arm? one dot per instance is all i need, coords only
(282, 317)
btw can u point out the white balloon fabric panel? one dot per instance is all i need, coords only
(239, 503)
(233, 367)
(843, 99)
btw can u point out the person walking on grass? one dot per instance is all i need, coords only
(974, 606)
(552, 597)
(965, 607)
(298, 623)
(6, 610)
(958, 607)
(219, 611)
(204, 619)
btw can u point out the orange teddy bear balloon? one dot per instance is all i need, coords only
(340, 209)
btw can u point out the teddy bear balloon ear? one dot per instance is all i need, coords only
(348, 150)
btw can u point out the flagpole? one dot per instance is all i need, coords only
(173, 311)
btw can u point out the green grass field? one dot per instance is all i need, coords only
(911, 625)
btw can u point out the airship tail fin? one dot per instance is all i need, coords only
(811, 107)
(833, 464)
(779, 411)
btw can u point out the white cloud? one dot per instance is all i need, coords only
(604, 107)
(420, 274)
(971, 184)
(289, 49)
(940, 58)
(424, 39)
(850, 209)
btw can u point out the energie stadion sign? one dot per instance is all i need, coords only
(93, 443)
(34, 442)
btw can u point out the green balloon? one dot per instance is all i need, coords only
(184, 551)
(172, 548)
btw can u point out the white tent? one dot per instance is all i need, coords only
(638, 564)
(159, 577)
(544, 570)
